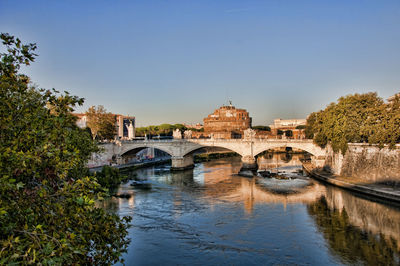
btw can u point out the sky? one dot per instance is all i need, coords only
(177, 61)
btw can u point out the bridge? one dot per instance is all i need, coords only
(181, 150)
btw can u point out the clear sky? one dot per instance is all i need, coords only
(177, 61)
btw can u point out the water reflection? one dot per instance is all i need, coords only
(271, 160)
(209, 215)
(358, 230)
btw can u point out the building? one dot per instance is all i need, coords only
(125, 125)
(283, 124)
(81, 121)
(227, 122)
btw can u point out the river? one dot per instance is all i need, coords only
(209, 216)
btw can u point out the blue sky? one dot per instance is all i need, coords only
(177, 61)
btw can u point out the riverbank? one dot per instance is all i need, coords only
(377, 190)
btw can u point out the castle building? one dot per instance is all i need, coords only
(227, 122)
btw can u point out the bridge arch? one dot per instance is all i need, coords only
(308, 147)
(200, 146)
(139, 147)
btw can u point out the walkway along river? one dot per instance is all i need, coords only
(209, 216)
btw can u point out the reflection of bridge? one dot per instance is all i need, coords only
(181, 150)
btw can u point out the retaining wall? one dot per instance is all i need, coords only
(367, 162)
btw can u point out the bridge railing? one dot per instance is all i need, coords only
(199, 141)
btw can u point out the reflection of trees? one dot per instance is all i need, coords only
(273, 160)
(286, 157)
(352, 244)
(183, 179)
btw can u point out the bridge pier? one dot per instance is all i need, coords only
(179, 163)
(249, 166)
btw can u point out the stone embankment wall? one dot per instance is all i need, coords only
(103, 158)
(366, 162)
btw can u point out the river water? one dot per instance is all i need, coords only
(209, 216)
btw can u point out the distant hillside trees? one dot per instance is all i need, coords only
(358, 118)
(262, 128)
(162, 130)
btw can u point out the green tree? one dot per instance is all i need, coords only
(301, 127)
(353, 119)
(262, 128)
(47, 201)
(101, 122)
(289, 133)
(383, 124)
(310, 128)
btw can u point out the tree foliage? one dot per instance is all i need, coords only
(262, 128)
(47, 201)
(109, 177)
(358, 118)
(289, 133)
(301, 127)
(101, 122)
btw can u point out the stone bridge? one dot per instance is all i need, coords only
(181, 150)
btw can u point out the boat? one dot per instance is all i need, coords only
(141, 184)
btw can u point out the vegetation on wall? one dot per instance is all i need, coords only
(358, 118)
(47, 200)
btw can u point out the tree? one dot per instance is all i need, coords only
(101, 123)
(47, 201)
(354, 119)
(262, 128)
(289, 133)
(383, 124)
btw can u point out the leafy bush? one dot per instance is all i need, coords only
(109, 177)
